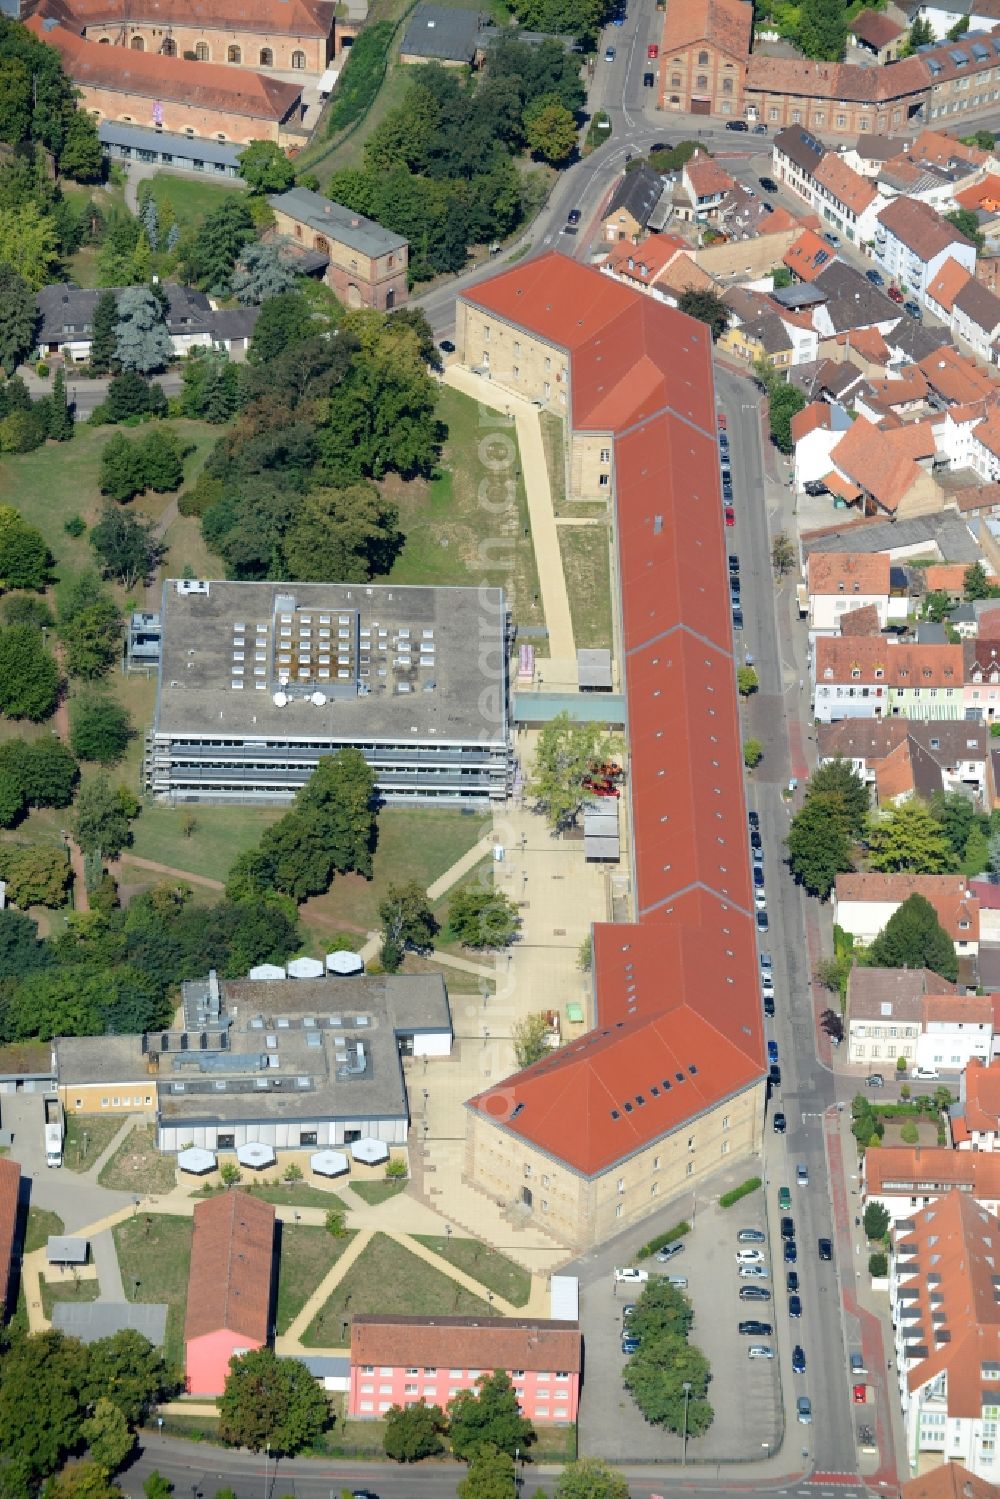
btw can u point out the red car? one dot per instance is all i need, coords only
(730, 516)
(895, 295)
(652, 51)
(722, 420)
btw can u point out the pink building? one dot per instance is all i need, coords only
(229, 1287)
(400, 1360)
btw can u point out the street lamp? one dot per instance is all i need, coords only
(267, 1459)
(686, 1387)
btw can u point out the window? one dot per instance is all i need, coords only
(621, 1179)
(675, 80)
(266, 57)
(201, 51)
(234, 55)
(169, 47)
(516, 372)
(137, 44)
(701, 81)
(727, 85)
(725, 1148)
(656, 1163)
(703, 59)
(605, 455)
(486, 333)
(604, 481)
(690, 1169)
(618, 1211)
(411, 1371)
(298, 60)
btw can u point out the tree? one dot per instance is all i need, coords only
(956, 817)
(107, 1435)
(350, 534)
(780, 278)
(271, 1401)
(782, 554)
(381, 417)
(413, 1432)
(18, 318)
(914, 938)
(784, 402)
(261, 272)
(590, 1478)
(531, 1039)
(59, 417)
(909, 838)
(876, 1221)
(90, 627)
(753, 753)
(103, 814)
(82, 1480)
(100, 727)
(406, 917)
(550, 130)
(819, 844)
(44, 770)
(836, 778)
(566, 753)
(21, 952)
(479, 916)
(104, 338)
(937, 606)
(655, 1377)
(24, 558)
(215, 248)
(822, 29)
(707, 306)
(265, 168)
(122, 474)
(36, 875)
(878, 1263)
(127, 546)
(40, 1406)
(832, 1025)
(142, 342)
(29, 240)
(977, 584)
(920, 34)
(662, 1311)
(967, 224)
(284, 321)
(29, 677)
(747, 680)
(491, 1475)
(81, 157)
(130, 1371)
(162, 460)
(335, 1223)
(488, 1416)
(158, 1487)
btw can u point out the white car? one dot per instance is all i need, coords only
(926, 1074)
(760, 1350)
(754, 1272)
(749, 1257)
(627, 1275)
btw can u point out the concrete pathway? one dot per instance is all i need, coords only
(94, 1171)
(289, 1342)
(545, 537)
(482, 970)
(105, 1256)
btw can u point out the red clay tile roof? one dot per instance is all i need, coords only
(872, 459)
(863, 621)
(875, 28)
(683, 274)
(956, 377)
(725, 24)
(847, 187)
(281, 17)
(947, 577)
(808, 256)
(985, 194)
(812, 417)
(830, 80)
(906, 664)
(678, 1006)
(941, 149)
(906, 385)
(707, 178)
(203, 85)
(848, 572)
(918, 226)
(869, 343)
(889, 1165)
(10, 1186)
(950, 1480)
(948, 282)
(232, 1251)
(644, 262)
(982, 1096)
(894, 776)
(957, 908)
(958, 1242)
(987, 431)
(977, 497)
(466, 1343)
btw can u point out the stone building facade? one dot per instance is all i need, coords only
(367, 265)
(703, 55)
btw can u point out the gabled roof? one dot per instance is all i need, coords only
(204, 85)
(954, 376)
(875, 28)
(895, 1170)
(895, 993)
(945, 150)
(849, 188)
(957, 909)
(919, 227)
(637, 194)
(801, 147)
(948, 282)
(645, 261)
(707, 178)
(983, 195)
(324, 216)
(848, 572)
(725, 24)
(868, 342)
(807, 256)
(981, 306)
(232, 1249)
(982, 1096)
(878, 462)
(817, 415)
(902, 664)
(466, 1343)
(281, 17)
(10, 1188)
(829, 80)
(949, 1480)
(871, 740)
(863, 621)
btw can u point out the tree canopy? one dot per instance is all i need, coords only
(480, 916)
(488, 1416)
(566, 752)
(413, 1432)
(913, 937)
(909, 837)
(271, 1402)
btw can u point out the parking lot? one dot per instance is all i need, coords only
(745, 1394)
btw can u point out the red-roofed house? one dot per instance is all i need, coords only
(946, 1312)
(840, 581)
(705, 182)
(886, 468)
(944, 287)
(912, 243)
(877, 34)
(913, 1013)
(816, 431)
(229, 1287)
(703, 54)
(863, 903)
(949, 1481)
(10, 1188)
(907, 1180)
(845, 199)
(975, 1118)
(809, 256)
(641, 266)
(670, 1080)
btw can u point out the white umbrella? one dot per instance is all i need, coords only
(196, 1161)
(329, 1163)
(255, 1154)
(344, 963)
(305, 968)
(370, 1151)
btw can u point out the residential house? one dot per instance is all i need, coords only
(944, 15)
(851, 302)
(976, 319)
(705, 183)
(438, 33)
(888, 469)
(840, 581)
(816, 430)
(954, 379)
(366, 263)
(910, 342)
(945, 1310)
(974, 1120)
(643, 266)
(907, 1180)
(834, 98)
(632, 203)
(703, 54)
(10, 1198)
(66, 315)
(863, 903)
(982, 679)
(404, 1360)
(229, 1287)
(897, 758)
(870, 153)
(943, 288)
(808, 256)
(766, 338)
(795, 155)
(912, 242)
(915, 1014)
(845, 199)
(877, 34)
(883, 398)
(949, 1481)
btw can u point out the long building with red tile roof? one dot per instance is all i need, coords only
(10, 1192)
(229, 1286)
(671, 1076)
(906, 1179)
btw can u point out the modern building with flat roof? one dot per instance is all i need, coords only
(258, 680)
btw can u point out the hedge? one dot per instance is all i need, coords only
(677, 1232)
(361, 77)
(743, 1190)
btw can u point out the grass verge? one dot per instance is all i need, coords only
(375, 1192)
(219, 836)
(137, 1166)
(491, 1268)
(587, 568)
(67, 1290)
(307, 1252)
(154, 1255)
(86, 1137)
(297, 1195)
(40, 1226)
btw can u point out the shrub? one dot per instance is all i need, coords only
(909, 1134)
(743, 1190)
(677, 1232)
(75, 526)
(41, 369)
(396, 1171)
(878, 1265)
(361, 77)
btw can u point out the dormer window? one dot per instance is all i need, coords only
(855, 672)
(879, 673)
(828, 673)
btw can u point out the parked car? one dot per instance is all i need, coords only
(570, 229)
(630, 1343)
(780, 1124)
(759, 130)
(895, 295)
(648, 80)
(832, 239)
(628, 1311)
(669, 1251)
(665, 146)
(749, 1257)
(804, 1409)
(798, 1359)
(772, 1046)
(757, 854)
(913, 310)
(875, 277)
(774, 1071)
(826, 1249)
(784, 1198)
(609, 52)
(791, 1252)
(802, 1176)
(769, 1010)
(730, 516)
(751, 1236)
(446, 346)
(875, 1080)
(755, 840)
(762, 921)
(753, 821)
(926, 1074)
(768, 184)
(628, 1275)
(795, 1306)
(652, 51)
(754, 1329)
(788, 1228)
(737, 125)
(734, 563)
(573, 217)
(754, 1272)
(791, 1281)
(737, 619)
(754, 1293)
(760, 1350)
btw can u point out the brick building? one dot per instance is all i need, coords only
(834, 98)
(229, 1287)
(172, 94)
(703, 56)
(366, 263)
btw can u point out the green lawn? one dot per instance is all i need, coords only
(41, 1225)
(457, 529)
(553, 430)
(296, 1195)
(390, 1279)
(491, 1268)
(414, 843)
(192, 200)
(307, 1253)
(67, 1289)
(154, 1254)
(137, 1165)
(220, 835)
(375, 1192)
(86, 1136)
(587, 568)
